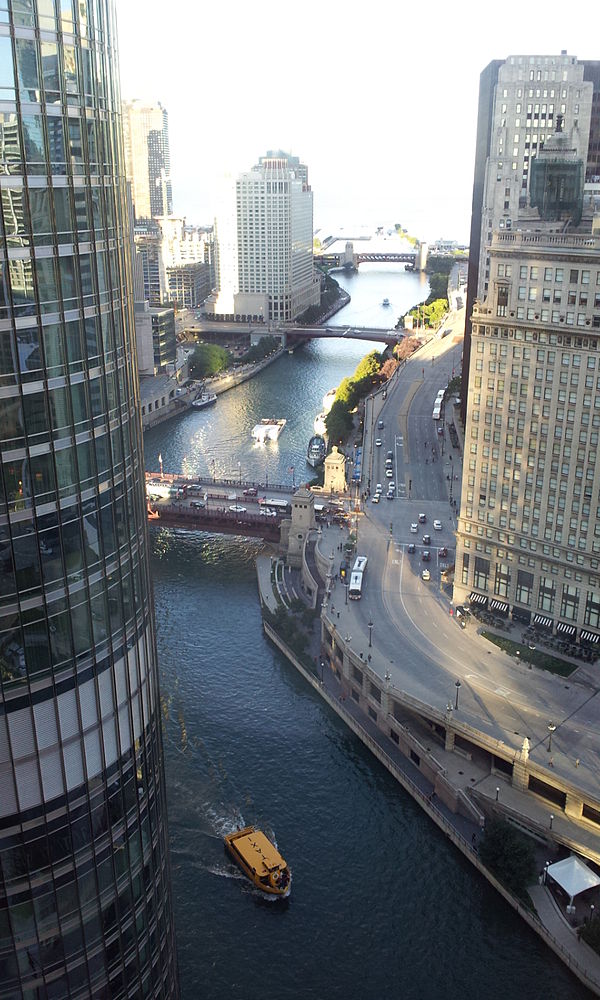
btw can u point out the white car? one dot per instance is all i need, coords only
(426, 575)
(237, 508)
(389, 473)
(375, 499)
(437, 525)
(379, 488)
(414, 527)
(378, 443)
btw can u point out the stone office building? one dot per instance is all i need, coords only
(528, 539)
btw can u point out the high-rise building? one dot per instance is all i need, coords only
(528, 539)
(264, 245)
(85, 897)
(520, 100)
(147, 158)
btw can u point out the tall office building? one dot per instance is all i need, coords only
(147, 158)
(264, 252)
(85, 898)
(520, 100)
(528, 539)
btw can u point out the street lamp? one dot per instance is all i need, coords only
(240, 472)
(551, 819)
(457, 685)
(531, 651)
(346, 587)
(592, 908)
(370, 628)
(551, 729)
(497, 792)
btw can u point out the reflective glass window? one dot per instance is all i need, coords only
(33, 144)
(27, 69)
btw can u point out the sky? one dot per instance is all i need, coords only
(377, 97)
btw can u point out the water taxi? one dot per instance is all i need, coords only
(260, 860)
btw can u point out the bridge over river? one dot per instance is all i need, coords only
(416, 259)
(229, 507)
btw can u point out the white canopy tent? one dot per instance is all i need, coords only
(573, 876)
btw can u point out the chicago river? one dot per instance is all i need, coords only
(381, 903)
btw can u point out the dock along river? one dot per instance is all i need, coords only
(381, 905)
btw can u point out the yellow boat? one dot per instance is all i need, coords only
(260, 860)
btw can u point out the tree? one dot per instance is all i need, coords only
(509, 855)
(208, 359)
(406, 347)
(368, 367)
(338, 422)
(388, 368)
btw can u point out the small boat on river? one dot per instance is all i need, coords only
(317, 450)
(206, 399)
(260, 861)
(385, 302)
(267, 430)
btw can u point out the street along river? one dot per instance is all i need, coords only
(381, 904)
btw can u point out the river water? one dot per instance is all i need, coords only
(381, 904)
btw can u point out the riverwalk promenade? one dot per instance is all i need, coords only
(440, 769)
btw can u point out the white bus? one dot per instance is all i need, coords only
(360, 565)
(437, 412)
(355, 588)
(276, 503)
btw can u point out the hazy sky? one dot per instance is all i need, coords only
(378, 97)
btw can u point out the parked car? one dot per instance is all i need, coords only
(437, 525)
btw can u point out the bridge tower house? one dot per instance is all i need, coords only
(349, 257)
(421, 258)
(303, 522)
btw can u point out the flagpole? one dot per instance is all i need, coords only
(160, 462)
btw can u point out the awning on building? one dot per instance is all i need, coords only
(500, 606)
(565, 629)
(589, 636)
(477, 598)
(521, 615)
(543, 621)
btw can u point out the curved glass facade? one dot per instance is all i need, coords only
(85, 900)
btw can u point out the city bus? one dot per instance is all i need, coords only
(360, 564)
(437, 411)
(355, 588)
(275, 503)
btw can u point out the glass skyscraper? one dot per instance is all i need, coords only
(85, 899)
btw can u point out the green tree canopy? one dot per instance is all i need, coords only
(208, 359)
(509, 855)
(338, 422)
